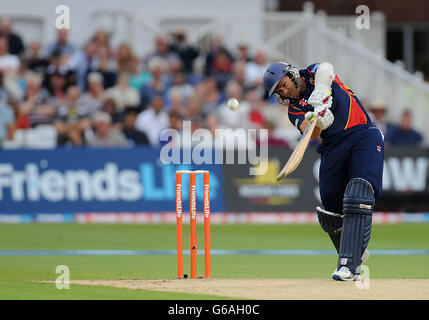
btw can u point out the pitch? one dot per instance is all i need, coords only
(399, 274)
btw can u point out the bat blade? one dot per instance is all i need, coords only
(298, 152)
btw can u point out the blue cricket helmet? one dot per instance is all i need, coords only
(275, 72)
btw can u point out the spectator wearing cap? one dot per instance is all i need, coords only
(377, 112)
(134, 136)
(185, 51)
(93, 99)
(243, 51)
(104, 134)
(36, 108)
(72, 119)
(123, 94)
(153, 120)
(403, 134)
(15, 44)
(61, 44)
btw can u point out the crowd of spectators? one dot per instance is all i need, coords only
(100, 95)
(103, 95)
(395, 134)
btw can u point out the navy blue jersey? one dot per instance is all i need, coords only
(349, 114)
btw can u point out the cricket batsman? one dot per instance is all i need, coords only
(352, 152)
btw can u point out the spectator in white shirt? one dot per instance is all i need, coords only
(153, 120)
(234, 118)
(180, 85)
(93, 99)
(104, 134)
(9, 63)
(123, 94)
(255, 69)
(36, 105)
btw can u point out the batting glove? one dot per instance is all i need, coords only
(324, 116)
(320, 97)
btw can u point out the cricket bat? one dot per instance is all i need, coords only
(298, 152)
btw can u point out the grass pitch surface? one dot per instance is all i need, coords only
(18, 274)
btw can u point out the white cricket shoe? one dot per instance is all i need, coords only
(344, 274)
(364, 257)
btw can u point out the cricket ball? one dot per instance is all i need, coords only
(233, 104)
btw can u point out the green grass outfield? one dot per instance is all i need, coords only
(17, 272)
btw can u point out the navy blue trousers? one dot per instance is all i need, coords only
(357, 155)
